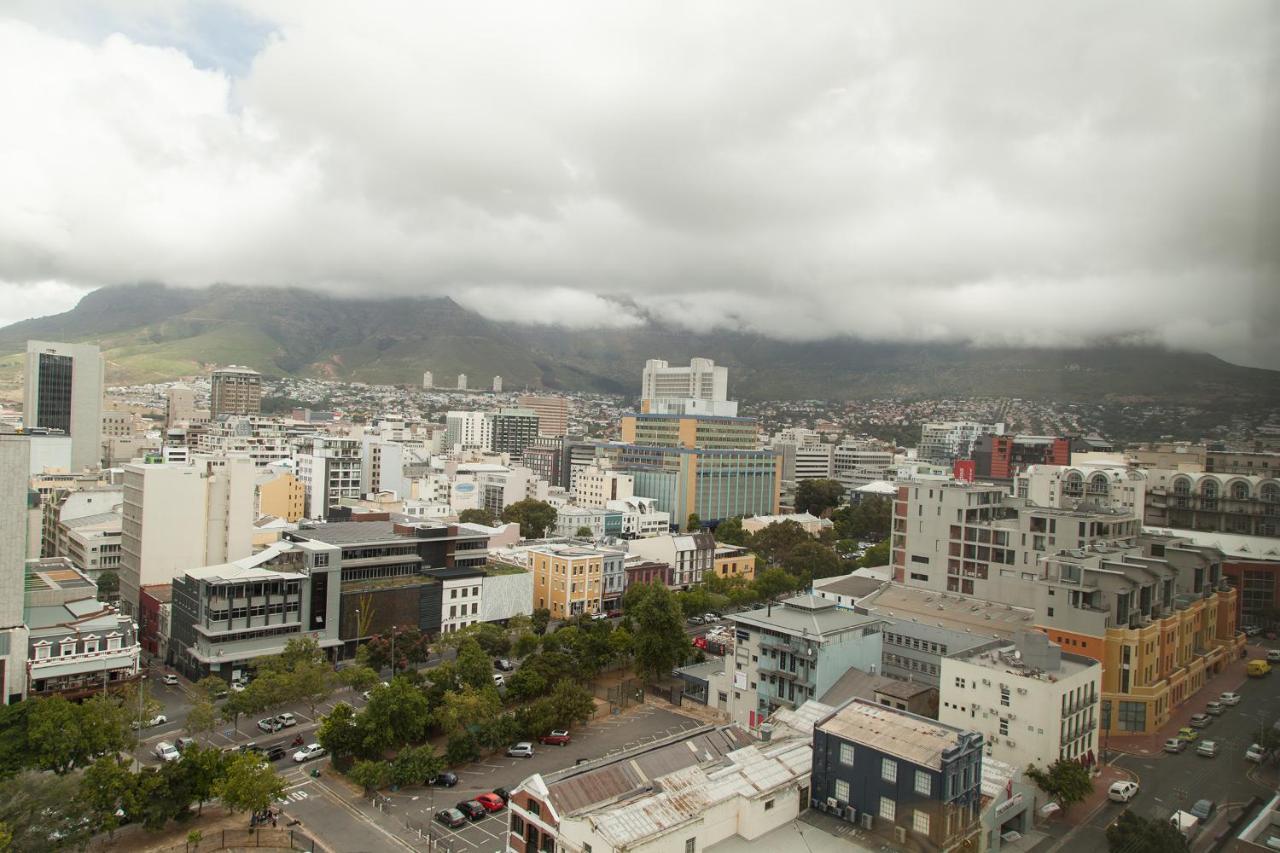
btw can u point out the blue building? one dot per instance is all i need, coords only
(899, 775)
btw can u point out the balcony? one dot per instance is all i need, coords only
(769, 669)
(780, 645)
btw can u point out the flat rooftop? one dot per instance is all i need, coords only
(1006, 659)
(949, 610)
(352, 532)
(848, 585)
(805, 614)
(908, 736)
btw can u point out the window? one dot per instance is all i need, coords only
(113, 643)
(1004, 689)
(888, 808)
(924, 784)
(768, 805)
(586, 848)
(920, 822)
(842, 790)
(1004, 726)
(846, 754)
(889, 770)
(690, 845)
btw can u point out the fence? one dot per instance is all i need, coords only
(264, 837)
(625, 693)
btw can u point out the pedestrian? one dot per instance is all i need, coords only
(273, 820)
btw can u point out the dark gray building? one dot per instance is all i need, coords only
(898, 775)
(514, 430)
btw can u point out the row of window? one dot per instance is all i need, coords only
(910, 663)
(276, 607)
(915, 643)
(44, 648)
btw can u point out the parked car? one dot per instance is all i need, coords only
(286, 719)
(308, 752)
(1257, 668)
(1175, 744)
(1273, 656)
(1214, 709)
(451, 818)
(1199, 721)
(270, 725)
(503, 793)
(1122, 791)
(498, 680)
(503, 664)
(491, 802)
(1255, 753)
(1252, 630)
(447, 779)
(1231, 699)
(184, 743)
(524, 749)
(169, 679)
(559, 737)
(1187, 734)
(695, 620)
(1207, 748)
(1202, 809)
(599, 616)
(709, 618)
(157, 720)
(472, 809)
(277, 752)
(237, 686)
(166, 751)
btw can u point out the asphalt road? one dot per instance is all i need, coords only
(1168, 782)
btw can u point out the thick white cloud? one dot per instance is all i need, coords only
(993, 172)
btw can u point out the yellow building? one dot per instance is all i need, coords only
(281, 494)
(567, 580)
(710, 432)
(733, 562)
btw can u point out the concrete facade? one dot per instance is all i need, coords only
(63, 390)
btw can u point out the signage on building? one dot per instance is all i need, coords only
(1012, 802)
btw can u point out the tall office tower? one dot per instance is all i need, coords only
(428, 381)
(497, 384)
(513, 430)
(699, 389)
(63, 391)
(15, 461)
(180, 517)
(462, 381)
(180, 406)
(236, 391)
(552, 412)
(468, 431)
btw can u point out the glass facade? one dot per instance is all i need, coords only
(53, 401)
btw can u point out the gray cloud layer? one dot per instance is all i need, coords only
(994, 172)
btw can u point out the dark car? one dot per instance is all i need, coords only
(1202, 809)
(277, 752)
(503, 664)
(472, 809)
(451, 818)
(444, 780)
(503, 793)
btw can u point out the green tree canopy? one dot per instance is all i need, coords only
(693, 523)
(370, 775)
(534, 517)
(657, 626)
(248, 784)
(1132, 833)
(477, 516)
(584, 532)
(869, 518)
(775, 542)
(774, 582)
(539, 620)
(1068, 782)
(730, 531)
(877, 555)
(818, 496)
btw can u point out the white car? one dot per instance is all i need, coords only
(237, 686)
(286, 719)
(1229, 699)
(166, 751)
(157, 720)
(170, 679)
(308, 752)
(1255, 753)
(498, 680)
(1122, 792)
(523, 749)
(1207, 748)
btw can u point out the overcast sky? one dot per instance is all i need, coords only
(1042, 173)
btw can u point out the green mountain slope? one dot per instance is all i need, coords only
(152, 333)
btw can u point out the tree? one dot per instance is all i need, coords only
(497, 731)
(539, 620)
(312, 682)
(415, 765)
(534, 517)
(477, 516)
(462, 748)
(340, 732)
(1066, 781)
(526, 683)
(108, 586)
(658, 628)
(526, 645)
(62, 736)
(370, 775)
(201, 768)
(212, 686)
(201, 718)
(584, 532)
(467, 706)
(730, 531)
(868, 518)
(818, 496)
(472, 665)
(103, 788)
(693, 523)
(775, 542)
(571, 703)
(1132, 833)
(396, 715)
(773, 582)
(359, 678)
(237, 705)
(248, 784)
(809, 560)
(876, 555)
(37, 806)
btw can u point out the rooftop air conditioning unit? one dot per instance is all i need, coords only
(851, 814)
(1022, 690)
(900, 834)
(832, 804)
(1009, 742)
(866, 819)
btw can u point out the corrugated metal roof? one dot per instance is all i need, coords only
(908, 736)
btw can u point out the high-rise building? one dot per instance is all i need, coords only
(428, 381)
(462, 381)
(179, 517)
(859, 463)
(553, 414)
(497, 384)
(15, 499)
(699, 389)
(63, 391)
(235, 391)
(513, 430)
(944, 442)
(711, 432)
(180, 406)
(468, 431)
(329, 467)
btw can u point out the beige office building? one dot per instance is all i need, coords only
(235, 391)
(552, 412)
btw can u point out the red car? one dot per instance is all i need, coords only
(491, 802)
(559, 737)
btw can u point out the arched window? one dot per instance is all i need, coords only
(1209, 494)
(1270, 493)
(1098, 484)
(1182, 486)
(1074, 484)
(1240, 490)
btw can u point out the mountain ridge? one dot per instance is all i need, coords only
(150, 332)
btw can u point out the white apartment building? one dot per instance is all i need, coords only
(263, 440)
(857, 464)
(596, 485)
(1107, 486)
(15, 459)
(468, 431)
(1033, 703)
(699, 389)
(179, 517)
(689, 555)
(63, 391)
(813, 462)
(329, 470)
(641, 517)
(944, 442)
(461, 602)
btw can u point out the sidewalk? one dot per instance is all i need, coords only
(1083, 812)
(1229, 680)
